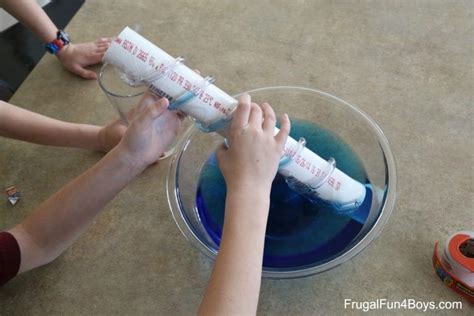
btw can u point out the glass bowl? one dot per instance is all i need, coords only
(302, 238)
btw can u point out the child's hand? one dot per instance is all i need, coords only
(151, 131)
(252, 160)
(248, 166)
(111, 134)
(75, 57)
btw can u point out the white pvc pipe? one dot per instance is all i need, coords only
(142, 61)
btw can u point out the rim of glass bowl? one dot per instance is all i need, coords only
(114, 94)
(354, 249)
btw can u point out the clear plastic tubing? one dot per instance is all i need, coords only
(142, 62)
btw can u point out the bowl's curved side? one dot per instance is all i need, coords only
(173, 195)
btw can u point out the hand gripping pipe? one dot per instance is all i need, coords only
(142, 62)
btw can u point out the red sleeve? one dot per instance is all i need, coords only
(9, 257)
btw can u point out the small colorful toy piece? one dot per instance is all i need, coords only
(13, 195)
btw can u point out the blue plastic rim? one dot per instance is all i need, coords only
(182, 202)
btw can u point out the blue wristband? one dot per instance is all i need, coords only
(51, 48)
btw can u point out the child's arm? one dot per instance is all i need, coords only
(74, 57)
(30, 14)
(25, 125)
(60, 220)
(249, 167)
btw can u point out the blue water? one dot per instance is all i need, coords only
(298, 232)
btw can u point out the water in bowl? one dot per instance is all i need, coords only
(299, 232)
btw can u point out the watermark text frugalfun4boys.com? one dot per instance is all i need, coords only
(404, 304)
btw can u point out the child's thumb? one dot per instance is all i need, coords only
(84, 73)
(156, 109)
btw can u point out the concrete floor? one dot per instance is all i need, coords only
(408, 64)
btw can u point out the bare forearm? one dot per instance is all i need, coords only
(25, 125)
(61, 219)
(235, 281)
(29, 13)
